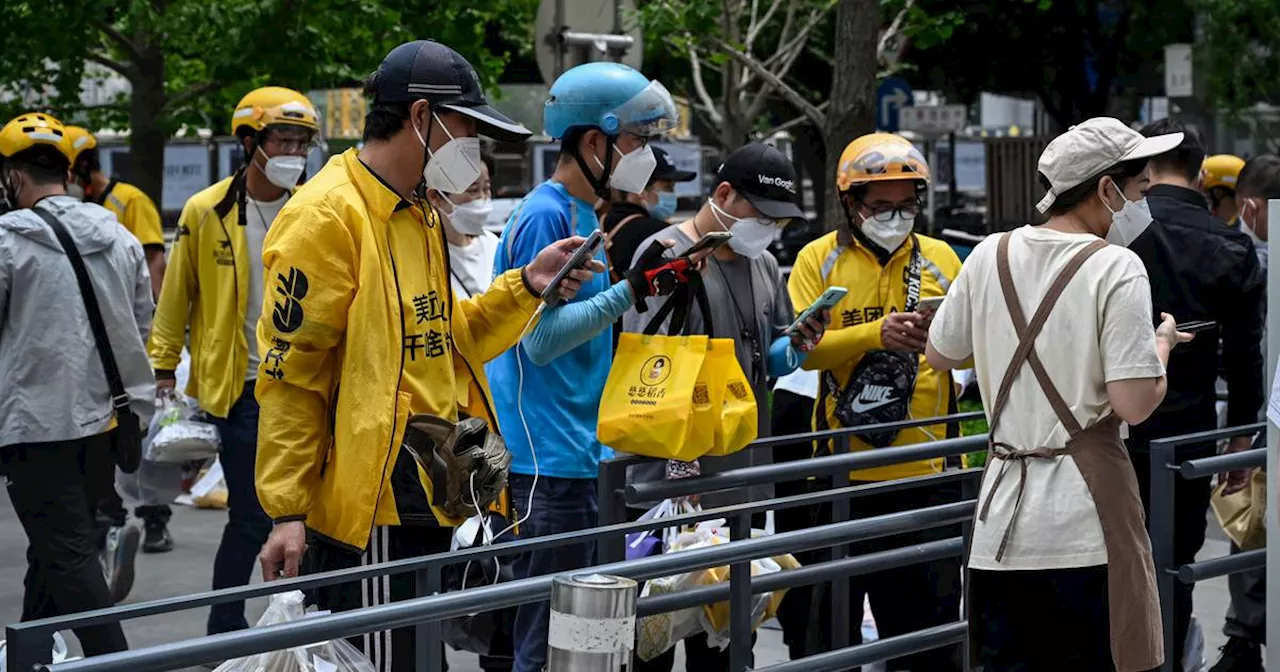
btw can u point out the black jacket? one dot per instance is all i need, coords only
(623, 244)
(1201, 269)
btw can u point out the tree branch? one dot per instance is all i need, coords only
(798, 121)
(700, 87)
(119, 38)
(123, 69)
(792, 96)
(893, 31)
(796, 44)
(756, 26)
(183, 97)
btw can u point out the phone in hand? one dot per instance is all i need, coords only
(930, 304)
(827, 301)
(579, 259)
(1197, 325)
(709, 241)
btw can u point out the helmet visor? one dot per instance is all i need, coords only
(649, 113)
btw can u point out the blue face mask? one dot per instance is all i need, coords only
(665, 207)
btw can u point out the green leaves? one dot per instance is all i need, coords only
(1236, 55)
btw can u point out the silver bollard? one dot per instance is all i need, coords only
(593, 623)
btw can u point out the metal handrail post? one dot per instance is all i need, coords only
(26, 649)
(740, 658)
(428, 637)
(612, 508)
(841, 511)
(1160, 527)
(969, 489)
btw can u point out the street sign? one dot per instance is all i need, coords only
(934, 120)
(893, 94)
(1177, 71)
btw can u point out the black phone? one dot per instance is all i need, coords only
(584, 253)
(709, 241)
(1198, 325)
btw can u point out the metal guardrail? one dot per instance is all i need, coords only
(1164, 468)
(28, 643)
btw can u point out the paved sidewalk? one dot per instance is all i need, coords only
(196, 533)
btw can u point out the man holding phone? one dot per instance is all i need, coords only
(872, 371)
(754, 199)
(1224, 284)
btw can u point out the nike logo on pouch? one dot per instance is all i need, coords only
(871, 398)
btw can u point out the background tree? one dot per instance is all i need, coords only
(188, 61)
(1235, 64)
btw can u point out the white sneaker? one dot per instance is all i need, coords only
(117, 560)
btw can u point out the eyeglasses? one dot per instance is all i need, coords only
(292, 144)
(887, 213)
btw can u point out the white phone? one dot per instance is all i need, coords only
(827, 301)
(930, 304)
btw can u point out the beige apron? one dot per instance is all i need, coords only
(1137, 638)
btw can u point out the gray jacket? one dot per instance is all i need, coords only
(52, 380)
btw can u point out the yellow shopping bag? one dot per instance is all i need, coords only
(738, 423)
(708, 395)
(648, 401)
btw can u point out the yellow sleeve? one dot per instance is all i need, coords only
(169, 332)
(497, 316)
(310, 282)
(143, 220)
(840, 345)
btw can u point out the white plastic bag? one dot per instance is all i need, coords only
(335, 656)
(175, 436)
(59, 651)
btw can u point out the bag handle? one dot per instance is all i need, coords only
(119, 399)
(679, 307)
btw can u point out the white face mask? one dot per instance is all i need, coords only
(283, 171)
(751, 235)
(888, 235)
(633, 170)
(1129, 221)
(469, 218)
(452, 168)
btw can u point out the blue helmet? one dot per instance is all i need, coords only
(611, 97)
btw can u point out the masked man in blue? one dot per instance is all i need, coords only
(547, 390)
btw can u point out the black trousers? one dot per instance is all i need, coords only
(1190, 508)
(56, 489)
(793, 414)
(1042, 621)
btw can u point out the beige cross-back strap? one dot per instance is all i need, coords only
(1025, 353)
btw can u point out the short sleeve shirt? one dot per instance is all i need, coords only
(1100, 331)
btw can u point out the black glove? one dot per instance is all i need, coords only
(655, 275)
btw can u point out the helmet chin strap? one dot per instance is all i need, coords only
(599, 185)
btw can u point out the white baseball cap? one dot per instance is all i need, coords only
(1091, 147)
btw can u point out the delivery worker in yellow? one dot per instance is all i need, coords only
(873, 370)
(215, 289)
(361, 331)
(1218, 176)
(135, 210)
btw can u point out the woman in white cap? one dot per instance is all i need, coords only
(1061, 569)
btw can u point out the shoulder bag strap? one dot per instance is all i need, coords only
(914, 269)
(115, 384)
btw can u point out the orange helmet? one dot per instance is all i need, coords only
(880, 157)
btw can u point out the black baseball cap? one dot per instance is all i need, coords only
(428, 70)
(765, 177)
(665, 170)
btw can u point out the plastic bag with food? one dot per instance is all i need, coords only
(334, 656)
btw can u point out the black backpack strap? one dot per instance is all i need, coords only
(115, 384)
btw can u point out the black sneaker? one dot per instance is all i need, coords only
(157, 539)
(1239, 655)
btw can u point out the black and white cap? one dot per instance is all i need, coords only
(765, 176)
(428, 70)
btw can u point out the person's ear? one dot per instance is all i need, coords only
(1107, 186)
(723, 193)
(420, 116)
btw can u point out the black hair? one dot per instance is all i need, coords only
(1186, 158)
(569, 143)
(384, 120)
(1072, 198)
(1260, 177)
(87, 163)
(43, 164)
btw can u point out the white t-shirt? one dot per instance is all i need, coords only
(471, 267)
(258, 216)
(1101, 330)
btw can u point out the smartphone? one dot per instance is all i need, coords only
(1198, 325)
(709, 241)
(930, 304)
(827, 301)
(584, 253)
